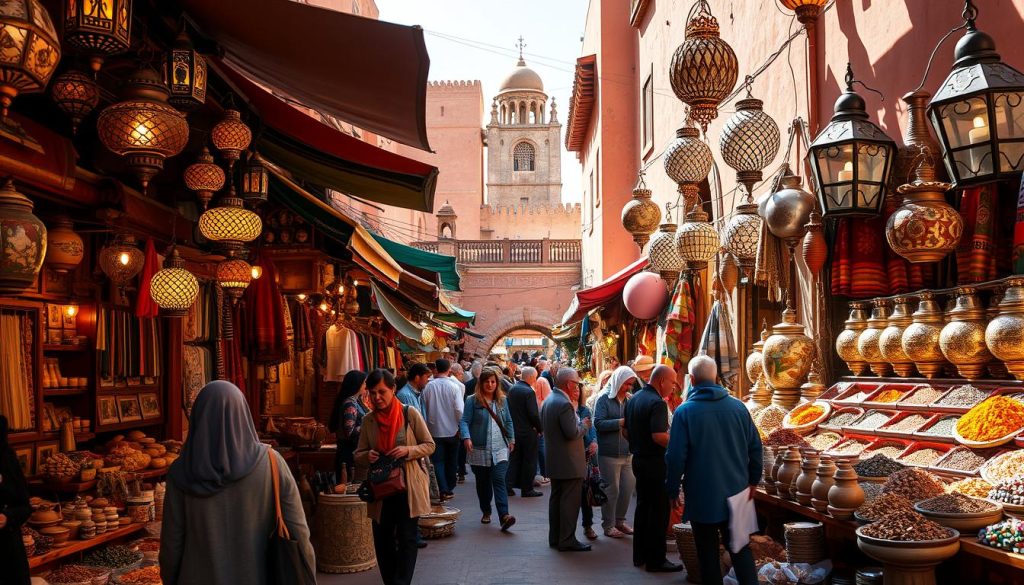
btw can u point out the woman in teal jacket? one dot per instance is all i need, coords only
(488, 445)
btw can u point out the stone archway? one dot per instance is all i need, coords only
(533, 318)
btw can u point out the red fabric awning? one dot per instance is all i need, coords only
(586, 300)
(367, 72)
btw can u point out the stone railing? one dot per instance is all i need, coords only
(508, 252)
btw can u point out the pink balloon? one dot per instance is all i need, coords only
(645, 295)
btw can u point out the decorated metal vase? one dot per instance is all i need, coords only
(996, 368)
(64, 248)
(788, 355)
(963, 339)
(924, 228)
(890, 343)
(1004, 334)
(22, 241)
(867, 343)
(921, 338)
(846, 342)
(760, 393)
(640, 215)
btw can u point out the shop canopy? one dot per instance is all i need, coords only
(414, 257)
(589, 299)
(325, 156)
(367, 72)
(399, 317)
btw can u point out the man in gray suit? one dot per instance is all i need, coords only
(566, 462)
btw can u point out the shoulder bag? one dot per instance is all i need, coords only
(497, 420)
(285, 561)
(387, 475)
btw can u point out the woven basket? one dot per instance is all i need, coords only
(439, 512)
(432, 528)
(687, 551)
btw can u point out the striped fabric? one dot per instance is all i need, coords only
(717, 341)
(975, 260)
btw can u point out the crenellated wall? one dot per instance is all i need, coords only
(534, 222)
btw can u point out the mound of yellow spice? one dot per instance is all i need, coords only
(991, 419)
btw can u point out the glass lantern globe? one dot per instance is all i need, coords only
(697, 240)
(851, 158)
(230, 224)
(31, 49)
(204, 177)
(234, 276)
(76, 94)
(704, 68)
(688, 161)
(99, 28)
(174, 289)
(231, 136)
(749, 142)
(664, 253)
(978, 112)
(122, 259)
(742, 233)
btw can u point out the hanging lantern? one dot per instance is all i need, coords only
(142, 127)
(704, 68)
(185, 73)
(815, 247)
(230, 137)
(31, 49)
(640, 215)
(427, 335)
(741, 234)
(978, 112)
(851, 158)
(234, 276)
(99, 28)
(255, 181)
(230, 224)
(76, 94)
(257, 272)
(173, 288)
(645, 295)
(23, 239)
(664, 253)
(122, 259)
(788, 210)
(204, 177)
(688, 161)
(749, 142)
(806, 10)
(64, 248)
(924, 228)
(697, 240)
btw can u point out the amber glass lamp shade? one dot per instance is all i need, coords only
(231, 136)
(204, 177)
(29, 49)
(185, 73)
(122, 259)
(255, 181)
(978, 113)
(704, 68)
(806, 10)
(76, 94)
(174, 289)
(98, 28)
(229, 224)
(234, 276)
(143, 127)
(257, 272)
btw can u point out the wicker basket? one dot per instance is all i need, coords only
(438, 512)
(432, 528)
(687, 551)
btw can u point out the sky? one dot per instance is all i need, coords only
(484, 47)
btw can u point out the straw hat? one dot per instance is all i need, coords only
(642, 363)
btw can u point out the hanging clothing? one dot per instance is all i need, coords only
(265, 326)
(717, 341)
(16, 394)
(975, 261)
(678, 339)
(145, 306)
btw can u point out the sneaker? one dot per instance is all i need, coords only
(624, 528)
(613, 533)
(544, 481)
(589, 533)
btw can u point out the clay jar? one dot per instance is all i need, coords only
(767, 464)
(806, 478)
(846, 495)
(788, 472)
(823, 481)
(780, 456)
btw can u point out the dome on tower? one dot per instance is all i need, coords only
(522, 78)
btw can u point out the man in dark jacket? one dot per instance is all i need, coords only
(522, 404)
(716, 449)
(563, 442)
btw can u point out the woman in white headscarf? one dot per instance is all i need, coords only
(613, 457)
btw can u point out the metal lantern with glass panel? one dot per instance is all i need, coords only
(99, 28)
(122, 259)
(173, 288)
(31, 49)
(255, 181)
(851, 158)
(978, 112)
(185, 72)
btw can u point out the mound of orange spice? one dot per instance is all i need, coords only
(805, 414)
(996, 417)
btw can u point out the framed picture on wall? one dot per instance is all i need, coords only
(70, 321)
(54, 336)
(128, 408)
(43, 452)
(24, 457)
(107, 407)
(150, 403)
(54, 318)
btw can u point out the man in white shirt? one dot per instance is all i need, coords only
(442, 407)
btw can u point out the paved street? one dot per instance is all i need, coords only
(482, 555)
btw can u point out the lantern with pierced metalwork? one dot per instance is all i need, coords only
(749, 141)
(76, 94)
(640, 215)
(255, 181)
(29, 49)
(234, 276)
(99, 28)
(697, 239)
(704, 68)
(229, 224)
(204, 177)
(231, 136)
(186, 75)
(664, 253)
(688, 161)
(174, 289)
(121, 260)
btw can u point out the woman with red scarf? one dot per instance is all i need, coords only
(393, 430)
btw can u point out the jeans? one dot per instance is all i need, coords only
(617, 472)
(394, 540)
(490, 483)
(541, 467)
(652, 509)
(706, 536)
(446, 459)
(462, 459)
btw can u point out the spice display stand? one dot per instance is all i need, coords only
(78, 546)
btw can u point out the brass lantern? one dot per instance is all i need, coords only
(76, 94)
(806, 10)
(229, 224)
(704, 68)
(688, 161)
(640, 215)
(99, 28)
(143, 127)
(664, 253)
(697, 239)
(851, 158)
(29, 49)
(234, 276)
(186, 75)
(230, 137)
(204, 177)
(749, 142)
(174, 289)
(978, 112)
(255, 181)
(122, 259)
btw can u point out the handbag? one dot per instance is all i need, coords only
(387, 475)
(285, 562)
(593, 487)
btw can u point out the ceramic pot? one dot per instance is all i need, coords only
(22, 241)
(1004, 334)
(768, 462)
(924, 228)
(962, 340)
(909, 563)
(780, 457)
(760, 392)
(890, 342)
(804, 482)
(921, 338)
(822, 482)
(788, 473)
(788, 354)
(64, 249)
(846, 342)
(867, 342)
(845, 495)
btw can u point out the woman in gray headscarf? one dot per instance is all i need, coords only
(219, 507)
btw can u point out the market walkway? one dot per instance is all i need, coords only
(482, 555)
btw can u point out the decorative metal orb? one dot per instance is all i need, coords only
(174, 289)
(924, 228)
(704, 68)
(229, 224)
(143, 127)
(76, 94)
(846, 341)
(664, 253)
(1004, 334)
(640, 215)
(890, 343)
(921, 338)
(122, 259)
(688, 161)
(204, 177)
(30, 49)
(962, 340)
(99, 28)
(787, 210)
(697, 240)
(742, 233)
(234, 276)
(749, 141)
(231, 136)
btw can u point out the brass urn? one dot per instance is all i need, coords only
(1005, 334)
(812, 388)
(640, 215)
(963, 339)
(996, 368)
(867, 343)
(760, 393)
(921, 338)
(891, 341)
(788, 354)
(924, 228)
(846, 343)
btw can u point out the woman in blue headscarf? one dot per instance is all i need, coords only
(219, 508)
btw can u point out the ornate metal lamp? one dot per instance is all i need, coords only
(688, 161)
(31, 49)
(664, 254)
(749, 141)
(174, 289)
(230, 137)
(229, 224)
(76, 94)
(697, 239)
(121, 260)
(851, 158)
(704, 68)
(234, 276)
(806, 10)
(99, 28)
(978, 112)
(640, 215)
(186, 74)
(255, 181)
(204, 177)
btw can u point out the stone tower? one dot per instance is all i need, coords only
(524, 161)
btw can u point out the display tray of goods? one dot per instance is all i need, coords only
(904, 425)
(1002, 467)
(769, 418)
(971, 486)
(877, 468)
(887, 395)
(964, 513)
(841, 417)
(880, 507)
(995, 421)
(849, 448)
(1009, 493)
(785, 437)
(920, 397)
(908, 538)
(891, 448)
(77, 575)
(43, 516)
(855, 393)
(149, 547)
(870, 421)
(960, 399)
(915, 484)
(1007, 535)
(119, 558)
(804, 418)
(963, 461)
(923, 454)
(66, 468)
(939, 429)
(823, 440)
(142, 576)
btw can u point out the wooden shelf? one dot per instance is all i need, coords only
(62, 347)
(135, 424)
(52, 392)
(78, 546)
(79, 436)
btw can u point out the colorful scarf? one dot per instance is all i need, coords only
(678, 346)
(975, 261)
(389, 421)
(717, 341)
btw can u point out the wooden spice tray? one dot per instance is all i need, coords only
(988, 454)
(920, 445)
(839, 428)
(855, 394)
(922, 435)
(885, 442)
(871, 400)
(852, 428)
(77, 546)
(884, 430)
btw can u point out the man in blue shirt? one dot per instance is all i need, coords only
(409, 395)
(716, 449)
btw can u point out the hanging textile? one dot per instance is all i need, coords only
(975, 261)
(145, 306)
(859, 264)
(302, 325)
(234, 367)
(678, 338)
(127, 346)
(16, 394)
(646, 340)
(265, 329)
(770, 269)
(717, 341)
(1018, 232)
